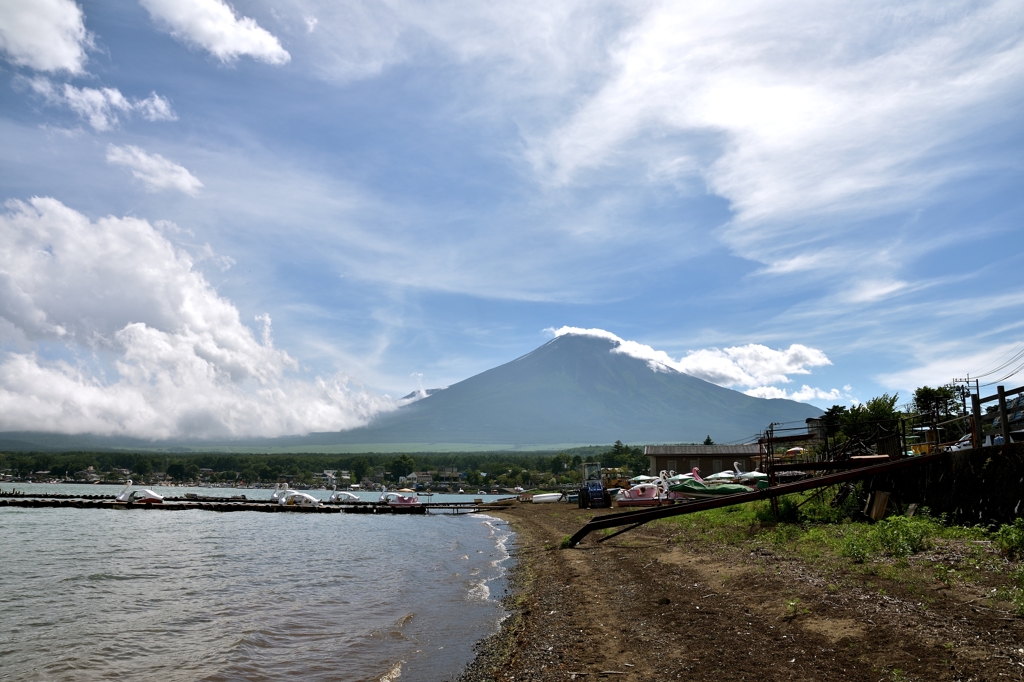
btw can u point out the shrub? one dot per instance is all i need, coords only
(900, 536)
(1010, 538)
(857, 547)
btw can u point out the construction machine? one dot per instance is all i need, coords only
(593, 493)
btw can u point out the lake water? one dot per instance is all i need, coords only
(89, 594)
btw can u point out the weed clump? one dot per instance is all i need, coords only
(1010, 539)
(900, 536)
(897, 536)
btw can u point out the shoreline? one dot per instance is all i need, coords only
(492, 652)
(654, 604)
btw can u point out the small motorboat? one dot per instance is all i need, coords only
(399, 500)
(144, 496)
(547, 497)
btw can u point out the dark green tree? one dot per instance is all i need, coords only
(935, 403)
(708, 441)
(360, 468)
(872, 418)
(403, 465)
(176, 471)
(559, 464)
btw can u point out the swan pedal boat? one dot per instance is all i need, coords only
(399, 500)
(696, 487)
(144, 496)
(342, 496)
(293, 498)
(641, 495)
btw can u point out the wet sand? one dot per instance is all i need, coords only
(642, 606)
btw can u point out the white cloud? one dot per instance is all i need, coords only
(155, 172)
(940, 366)
(752, 365)
(802, 395)
(45, 35)
(101, 107)
(121, 298)
(213, 26)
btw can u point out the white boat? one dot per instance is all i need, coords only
(547, 497)
(338, 496)
(281, 490)
(144, 496)
(748, 477)
(293, 498)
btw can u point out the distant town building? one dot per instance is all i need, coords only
(710, 459)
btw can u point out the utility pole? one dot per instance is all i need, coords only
(978, 437)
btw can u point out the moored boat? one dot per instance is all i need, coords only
(641, 495)
(398, 500)
(297, 499)
(697, 487)
(144, 496)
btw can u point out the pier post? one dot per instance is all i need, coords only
(1004, 423)
(978, 434)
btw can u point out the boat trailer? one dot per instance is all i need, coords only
(634, 519)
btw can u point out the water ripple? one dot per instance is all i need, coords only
(198, 595)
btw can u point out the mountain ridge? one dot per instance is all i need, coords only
(572, 390)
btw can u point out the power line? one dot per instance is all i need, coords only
(999, 381)
(1016, 356)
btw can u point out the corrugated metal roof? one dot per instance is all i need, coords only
(709, 450)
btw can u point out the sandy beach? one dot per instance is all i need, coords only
(644, 606)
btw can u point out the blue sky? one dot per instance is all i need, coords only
(266, 218)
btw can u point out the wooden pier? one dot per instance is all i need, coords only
(232, 505)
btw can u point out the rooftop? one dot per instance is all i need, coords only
(709, 450)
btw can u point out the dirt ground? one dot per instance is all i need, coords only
(642, 606)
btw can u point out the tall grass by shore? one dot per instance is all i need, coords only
(836, 537)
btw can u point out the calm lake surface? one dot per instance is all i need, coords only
(89, 594)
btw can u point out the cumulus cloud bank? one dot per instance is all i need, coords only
(100, 107)
(213, 26)
(107, 328)
(45, 35)
(752, 367)
(155, 172)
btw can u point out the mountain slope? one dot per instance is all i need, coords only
(574, 389)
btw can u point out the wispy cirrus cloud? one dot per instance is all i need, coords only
(213, 26)
(153, 170)
(45, 35)
(102, 107)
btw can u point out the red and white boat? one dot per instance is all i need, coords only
(399, 500)
(641, 495)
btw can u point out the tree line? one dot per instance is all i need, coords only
(480, 467)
